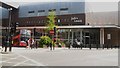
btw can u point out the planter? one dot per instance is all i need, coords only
(45, 46)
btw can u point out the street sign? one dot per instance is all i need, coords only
(51, 32)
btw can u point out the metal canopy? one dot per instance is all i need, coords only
(68, 27)
(4, 5)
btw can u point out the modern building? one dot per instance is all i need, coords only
(72, 21)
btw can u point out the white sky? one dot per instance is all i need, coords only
(91, 5)
(60, 0)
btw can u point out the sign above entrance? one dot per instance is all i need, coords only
(76, 19)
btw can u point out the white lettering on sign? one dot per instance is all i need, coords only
(75, 19)
(108, 36)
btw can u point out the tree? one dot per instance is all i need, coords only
(51, 22)
(51, 25)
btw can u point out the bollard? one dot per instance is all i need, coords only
(118, 47)
(111, 47)
(5, 48)
(102, 46)
(81, 46)
(97, 46)
(107, 46)
(85, 45)
(90, 46)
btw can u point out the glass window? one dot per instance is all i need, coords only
(52, 10)
(41, 10)
(31, 11)
(64, 9)
(39, 21)
(67, 20)
(64, 20)
(58, 20)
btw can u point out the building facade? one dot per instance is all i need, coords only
(72, 21)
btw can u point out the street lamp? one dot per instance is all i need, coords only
(9, 36)
(10, 9)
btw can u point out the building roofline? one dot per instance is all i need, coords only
(4, 5)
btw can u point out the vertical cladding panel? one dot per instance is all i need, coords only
(119, 13)
(0, 16)
(0, 11)
(114, 36)
(119, 37)
(79, 7)
(14, 16)
(23, 11)
(5, 13)
(102, 18)
(53, 6)
(4, 16)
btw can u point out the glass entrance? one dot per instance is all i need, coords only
(91, 37)
(86, 37)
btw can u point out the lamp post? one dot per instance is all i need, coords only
(10, 9)
(9, 36)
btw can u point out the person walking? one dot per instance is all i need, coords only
(77, 43)
(10, 45)
(36, 44)
(28, 43)
(50, 46)
(31, 43)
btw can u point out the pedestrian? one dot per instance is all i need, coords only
(50, 46)
(36, 44)
(28, 43)
(3, 43)
(10, 45)
(31, 43)
(77, 43)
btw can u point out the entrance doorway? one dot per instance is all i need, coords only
(85, 36)
(91, 37)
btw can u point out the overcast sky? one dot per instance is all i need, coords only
(91, 5)
(60, 0)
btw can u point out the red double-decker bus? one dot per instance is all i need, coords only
(21, 37)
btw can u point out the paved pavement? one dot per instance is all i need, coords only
(60, 57)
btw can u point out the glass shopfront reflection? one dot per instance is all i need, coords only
(84, 36)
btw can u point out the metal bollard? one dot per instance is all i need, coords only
(111, 47)
(90, 46)
(103, 46)
(97, 46)
(118, 47)
(107, 46)
(81, 46)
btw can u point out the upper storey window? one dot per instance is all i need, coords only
(41, 12)
(63, 10)
(31, 13)
(52, 10)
